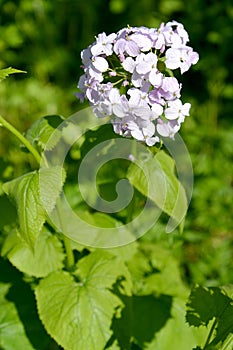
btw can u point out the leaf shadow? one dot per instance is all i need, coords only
(142, 317)
(23, 298)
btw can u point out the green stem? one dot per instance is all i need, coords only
(26, 143)
(70, 261)
(210, 333)
(69, 253)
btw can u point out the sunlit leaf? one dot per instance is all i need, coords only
(31, 214)
(32, 193)
(77, 310)
(47, 256)
(4, 73)
(42, 129)
(155, 178)
(12, 332)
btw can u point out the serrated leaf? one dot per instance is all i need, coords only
(35, 195)
(156, 179)
(51, 181)
(12, 333)
(47, 257)
(41, 131)
(77, 310)
(206, 304)
(31, 214)
(4, 73)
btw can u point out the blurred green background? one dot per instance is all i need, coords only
(45, 38)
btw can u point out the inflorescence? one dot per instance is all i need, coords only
(129, 77)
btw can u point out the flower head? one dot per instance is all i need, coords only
(128, 77)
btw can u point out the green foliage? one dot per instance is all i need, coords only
(160, 184)
(11, 328)
(77, 309)
(35, 263)
(31, 193)
(4, 73)
(134, 296)
(215, 304)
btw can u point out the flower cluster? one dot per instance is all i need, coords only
(128, 76)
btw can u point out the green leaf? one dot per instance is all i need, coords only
(87, 229)
(7, 71)
(31, 214)
(155, 178)
(12, 333)
(155, 270)
(206, 304)
(24, 326)
(142, 317)
(8, 211)
(176, 334)
(41, 131)
(47, 257)
(77, 310)
(35, 194)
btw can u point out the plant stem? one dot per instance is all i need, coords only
(26, 143)
(69, 253)
(210, 333)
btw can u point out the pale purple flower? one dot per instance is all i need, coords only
(176, 110)
(147, 64)
(128, 46)
(181, 57)
(170, 88)
(122, 80)
(143, 41)
(167, 128)
(103, 45)
(175, 37)
(100, 64)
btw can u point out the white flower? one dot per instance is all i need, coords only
(181, 57)
(104, 44)
(176, 110)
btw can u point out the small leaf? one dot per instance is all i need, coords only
(77, 310)
(41, 131)
(7, 71)
(156, 179)
(47, 257)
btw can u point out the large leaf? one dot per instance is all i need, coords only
(77, 310)
(206, 304)
(7, 71)
(155, 178)
(176, 334)
(35, 195)
(47, 257)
